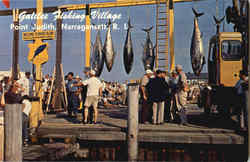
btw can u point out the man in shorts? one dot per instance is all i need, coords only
(93, 92)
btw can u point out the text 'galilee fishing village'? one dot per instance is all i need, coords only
(124, 80)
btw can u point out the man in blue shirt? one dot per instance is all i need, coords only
(72, 95)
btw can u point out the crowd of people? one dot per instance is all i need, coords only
(88, 94)
(18, 91)
(164, 97)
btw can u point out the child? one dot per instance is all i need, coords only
(26, 111)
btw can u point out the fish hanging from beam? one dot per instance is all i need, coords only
(148, 57)
(97, 57)
(128, 54)
(108, 49)
(196, 51)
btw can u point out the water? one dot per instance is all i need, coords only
(117, 151)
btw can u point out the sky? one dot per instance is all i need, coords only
(73, 44)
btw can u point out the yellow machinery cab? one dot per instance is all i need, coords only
(224, 59)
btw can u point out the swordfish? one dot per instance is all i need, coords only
(128, 54)
(97, 59)
(148, 57)
(196, 50)
(108, 49)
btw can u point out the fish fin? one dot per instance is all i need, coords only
(196, 13)
(109, 23)
(129, 23)
(148, 30)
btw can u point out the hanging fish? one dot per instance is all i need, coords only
(196, 50)
(128, 54)
(108, 49)
(97, 57)
(148, 57)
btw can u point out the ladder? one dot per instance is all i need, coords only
(162, 35)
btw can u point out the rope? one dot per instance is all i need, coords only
(128, 12)
(217, 9)
(224, 12)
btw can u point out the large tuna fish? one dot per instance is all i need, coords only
(108, 49)
(148, 57)
(97, 57)
(196, 50)
(128, 55)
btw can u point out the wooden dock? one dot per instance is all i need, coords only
(112, 126)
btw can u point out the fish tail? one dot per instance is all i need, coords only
(148, 29)
(196, 13)
(218, 21)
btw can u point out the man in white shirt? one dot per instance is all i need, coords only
(26, 84)
(93, 92)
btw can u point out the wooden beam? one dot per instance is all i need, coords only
(96, 5)
(119, 3)
(28, 11)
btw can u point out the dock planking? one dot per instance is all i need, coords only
(112, 126)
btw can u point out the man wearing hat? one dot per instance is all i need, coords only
(94, 90)
(241, 86)
(157, 88)
(146, 106)
(181, 94)
(72, 95)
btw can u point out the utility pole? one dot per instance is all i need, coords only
(15, 44)
(58, 75)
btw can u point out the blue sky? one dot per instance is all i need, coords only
(141, 17)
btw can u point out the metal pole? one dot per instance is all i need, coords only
(13, 132)
(132, 134)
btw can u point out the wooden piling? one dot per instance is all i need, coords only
(1, 136)
(112, 153)
(13, 132)
(132, 123)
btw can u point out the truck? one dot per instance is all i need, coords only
(227, 55)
